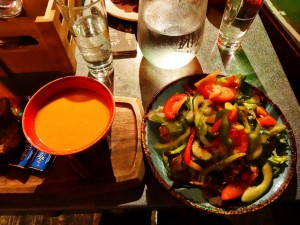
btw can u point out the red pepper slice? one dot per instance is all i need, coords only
(173, 104)
(266, 121)
(188, 147)
(216, 126)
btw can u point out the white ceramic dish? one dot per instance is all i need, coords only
(125, 12)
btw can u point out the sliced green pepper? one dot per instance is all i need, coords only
(197, 100)
(255, 146)
(174, 127)
(199, 152)
(224, 128)
(199, 120)
(178, 149)
(174, 143)
(276, 129)
(251, 103)
(273, 131)
(157, 115)
(254, 192)
(166, 162)
(189, 116)
(201, 128)
(242, 117)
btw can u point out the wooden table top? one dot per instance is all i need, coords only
(136, 78)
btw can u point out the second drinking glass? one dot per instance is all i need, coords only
(237, 18)
(87, 21)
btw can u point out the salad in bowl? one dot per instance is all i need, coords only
(217, 146)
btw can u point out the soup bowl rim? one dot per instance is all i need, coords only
(48, 91)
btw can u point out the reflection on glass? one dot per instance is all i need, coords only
(238, 63)
(152, 78)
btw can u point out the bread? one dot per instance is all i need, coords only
(11, 134)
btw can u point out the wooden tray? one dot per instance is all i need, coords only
(38, 40)
(112, 164)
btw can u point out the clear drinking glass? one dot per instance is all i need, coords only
(87, 21)
(170, 32)
(10, 8)
(237, 18)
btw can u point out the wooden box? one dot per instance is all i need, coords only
(36, 41)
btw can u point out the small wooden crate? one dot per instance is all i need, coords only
(36, 41)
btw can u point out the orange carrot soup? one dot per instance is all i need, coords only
(72, 120)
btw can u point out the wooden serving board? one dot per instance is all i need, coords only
(112, 164)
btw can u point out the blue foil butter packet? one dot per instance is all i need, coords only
(25, 158)
(41, 161)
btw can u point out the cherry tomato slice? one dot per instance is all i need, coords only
(233, 115)
(228, 81)
(261, 111)
(233, 190)
(173, 105)
(217, 92)
(239, 140)
(210, 91)
(226, 95)
(164, 133)
(209, 79)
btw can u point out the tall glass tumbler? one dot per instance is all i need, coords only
(10, 8)
(170, 32)
(87, 21)
(237, 18)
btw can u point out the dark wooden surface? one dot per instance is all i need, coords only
(111, 167)
(286, 48)
(68, 219)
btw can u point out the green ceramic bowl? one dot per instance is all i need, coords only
(193, 196)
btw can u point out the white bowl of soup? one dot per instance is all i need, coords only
(68, 115)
